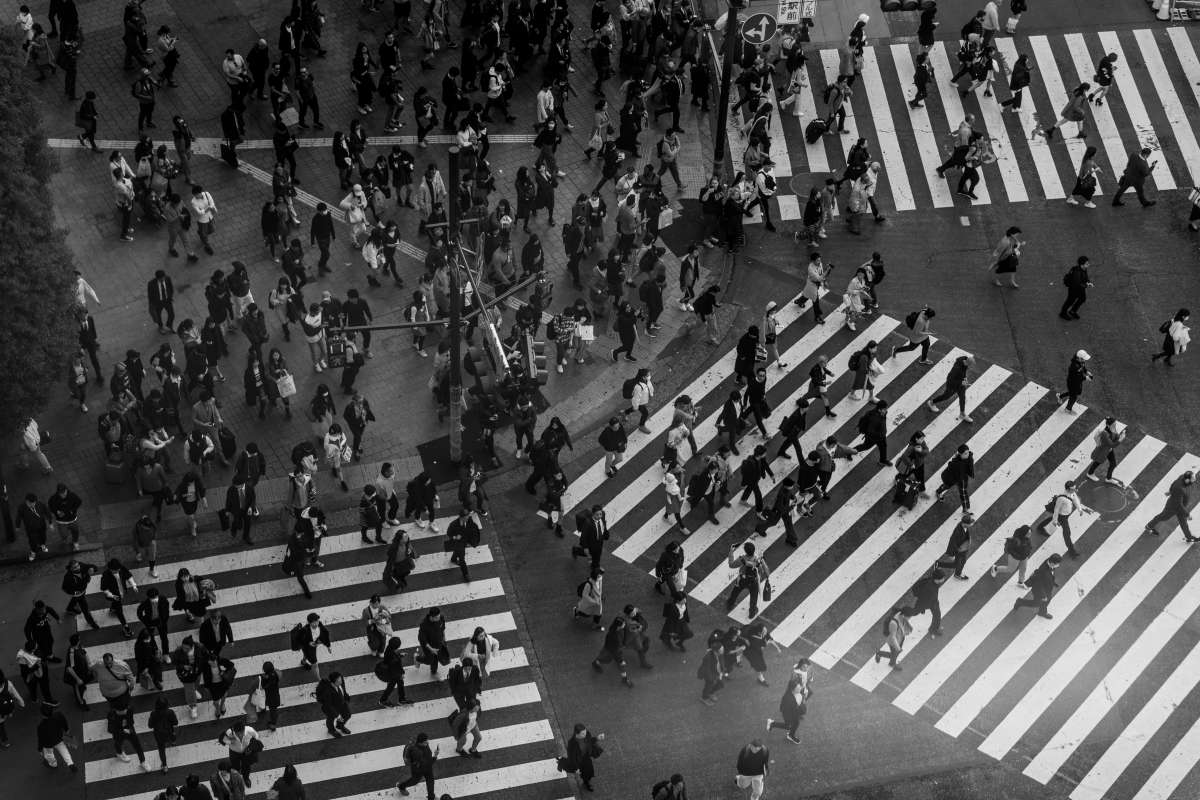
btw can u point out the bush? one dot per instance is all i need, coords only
(37, 271)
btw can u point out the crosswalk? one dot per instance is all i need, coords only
(1100, 701)
(1154, 103)
(518, 745)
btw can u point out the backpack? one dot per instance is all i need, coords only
(1165, 327)
(1068, 278)
(828, 93)
(627, 388)
(658, 787)
(911, 319)
(1010, 546)
(855, 360)
(769, 182)
(406, 754)
(579, 589)
(297, 640)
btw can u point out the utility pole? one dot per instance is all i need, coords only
(455, 313)
(731, 37)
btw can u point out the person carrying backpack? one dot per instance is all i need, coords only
(1058, 513)
(419, 759)
(1077, 282)
(671, 789)
(1017, 550)
(918, 333)
(752, 577)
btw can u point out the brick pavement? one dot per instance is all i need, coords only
(119, 271)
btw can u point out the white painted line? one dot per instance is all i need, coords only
(267, 556)
(885, 133)
(707, 534)
(1177, 115)
(1002, 146)
(779, 149)
(1173, 769)
(1171, 693)
(789, 207)
(1035, 702)
(288, 736)
(96, 730)
(390, 761)
(829, 59)
(993, 678)
(818, 159)
(864, 619)
(1039, 148)
(923, 134)
(986, 553)
(848, 513)
(1104, 127)
(955, 113)
(1131, 98)
(1135, 660)
(456, 630)
(1047, 71)
(716, 375)
(650, 480)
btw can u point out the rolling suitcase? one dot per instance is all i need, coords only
(229, 155)
(906, 493)
(815, 130)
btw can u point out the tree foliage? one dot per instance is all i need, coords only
(37, 270)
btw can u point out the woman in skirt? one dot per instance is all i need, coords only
(757, 638)
(190, 493)
(1007, 256)
(1085, 183)
(218, 674)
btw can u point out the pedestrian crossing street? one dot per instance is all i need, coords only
(1154, 102)
(263, 604)
(1100, 702)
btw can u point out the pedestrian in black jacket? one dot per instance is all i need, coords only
(51, 730)
(74, 584)
(215, 632)
(390, 670)
(153, 613)
(465, 682)
(582, 749)
(334, 700)
(39, 631)
(1077, 282)
(114, 581)
(926, 593)
(593, 532)
(1041, 584)
(754, 468)
(958, 473)
(431, 638)
(160, 294)
(614, 440)
(1077, 375)
(419, 758)
(873, 427)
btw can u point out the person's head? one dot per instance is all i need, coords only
(1053, 561)
(314, 620)
(1189, 477)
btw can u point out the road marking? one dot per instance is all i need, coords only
(1177, 115)
(1131, 98)
(926, 140)
(885, 133)
(953, 107)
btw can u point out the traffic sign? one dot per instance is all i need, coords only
(759, 28)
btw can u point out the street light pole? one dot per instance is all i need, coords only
(731, 34)
(455, 313)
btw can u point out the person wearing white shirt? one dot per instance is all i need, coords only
(545, 103)
(1058, 513)
(84, 290)
(1178, 336)
(244, 747)
(204, 210)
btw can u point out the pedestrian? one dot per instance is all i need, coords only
(420, 760)
(922, 69)
(35, 672)
(816, 277)
(390, 670)
(227, 784)
(1137, 170)
(613, 440)
(431, 638)
(919, 332)
(792, 705)
(143, 90)
(671, 789)
(34, 516)
(289, 786)
(592, 526)
(757, 637)
(591, 599)
(215, 632)
(958, 474)
(1176, 337)
(74, 585)
(268, 684)
(334, 700)
(86, 119)
(1077, 280)
(203, 211)
(1108, 439)
(1041, 584)
(189, 660)
(705, 307)
(752, 576)
(120, 727)
(244, 747)
(873, 427)
(925, 593)
(153, 613)
(865, 365)
(1016, 9)
(163, 724)
(1103, 78)
(895, 628)
(641, 392)
(1178, 505)
(38, 630)
(791, 428)
(77, 672)
(753, 763)
(959, 546)
(583, 748)
(1077, 375)
(114, 582)
(753, 470)
(307, 636)
(52, 731)
(1074, 111)
(1017, 550)
(1086, 182)
(1058, 513)
(1018, 81)
(461, 533)
(1006, 256)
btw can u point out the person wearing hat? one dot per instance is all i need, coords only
(143, 91)
(1042, 584)
(1077, 374)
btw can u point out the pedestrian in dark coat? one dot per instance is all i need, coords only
(334, 700)
(582, 749)
(873, 427)
(1077, 282)
(1041, 584)
(957, 474)
(613, 650)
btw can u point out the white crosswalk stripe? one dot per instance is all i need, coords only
(1148, 106)
(518, 741)
(1043, 689)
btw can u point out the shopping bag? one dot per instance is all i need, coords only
(286, 385)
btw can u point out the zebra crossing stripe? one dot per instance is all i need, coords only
(473, 784)
(885, 133)
(900, 580)
(390, 759)
(830, 63)
(1132, 663)
(96, 730)
(779, 146)
(1047, 67)
(1105, 126)
(289, 736)
(593, 477)
(848, 513)
(1037, 631)
(632, 494)
(1177, 116)
(1035, 701)
(1174, 768)
(708, 534)
(901, 408)
(1006, 157)
(818, 159)
(1131, 98)
(923, 134)
(953, 107)
(1039, 148)
(1173, 690)
(456, 630)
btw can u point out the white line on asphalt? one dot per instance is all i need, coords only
(923, 134)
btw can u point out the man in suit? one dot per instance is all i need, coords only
(593, 530)
(334, 700)
(1134, 176)
(465, 682)
(240, 508)
(160, 292)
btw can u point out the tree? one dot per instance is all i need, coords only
(38, 325)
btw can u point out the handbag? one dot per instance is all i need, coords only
(290, 116)
(766, 590)
(286, 385)
(347, 454)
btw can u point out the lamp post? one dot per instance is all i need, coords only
(731, 34)
(455, 313)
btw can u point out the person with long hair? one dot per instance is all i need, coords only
(1073, 111)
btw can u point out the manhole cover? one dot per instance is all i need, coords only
(1106, 498)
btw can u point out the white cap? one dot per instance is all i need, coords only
(864, 18)
(1082, 355)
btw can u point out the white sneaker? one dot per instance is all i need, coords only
(1091, 476)
(153, 573)
(1071, 201)
(124, 757)
(421, 523)
(145, 766)
(560, 369)
(194, 712)
(433, 527)
(83, 408)
(317, 367)
(965, 418)
(992, 571)
(1089, 204)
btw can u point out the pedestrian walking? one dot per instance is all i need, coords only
(1178, 505)
(35, 518)
(1108, 439)
(1018, 81)
(919, 332)
(925, 593)
(1137, 170)
(227, 784)
(420, 760)
(120, 727)
(35, 672)
(289, 786)
(613, 650)
(390, 670)
(873, 427)
(1176, 337)
(1058, 513)
(753, 763)
(958, 474)
(753, 470)
(77, 671)
(1087, 180)
(757, 637)
(1077, 375)
(1017, 550)
(74, 585)
(244, 746)
(38, 630)
(792, 706)
(334, 700)
(1103, 79)
(1074, 111)
(592, 526)
(52, 732)
(1006, 256)
(1077, 280)
(896, 628)
(753, 576)
(188, 660)
(583, 748)
(613, 440)
(1041, 584)
(922, 72)
(114, 582)
(959, 546)
(307, 636)
(705, 307)
(163, 724)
